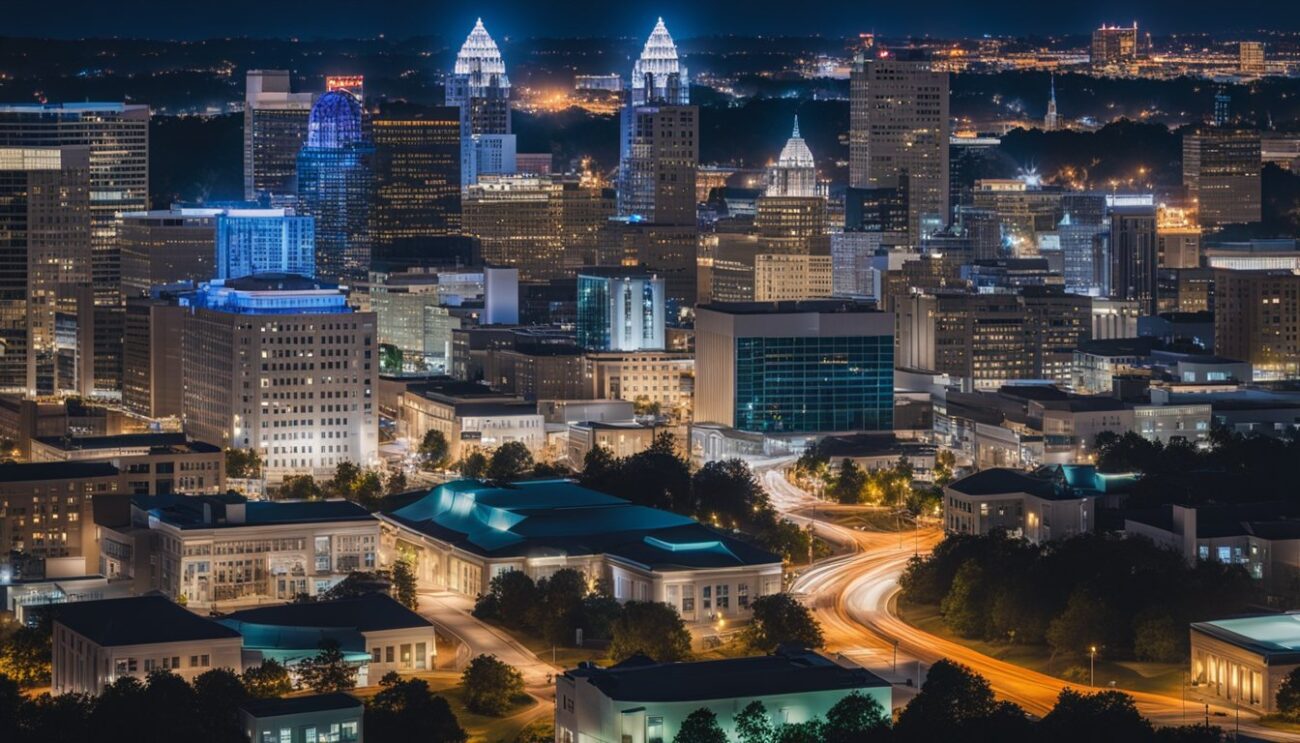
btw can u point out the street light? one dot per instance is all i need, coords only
(1092, 665)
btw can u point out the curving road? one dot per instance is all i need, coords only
(853, 596)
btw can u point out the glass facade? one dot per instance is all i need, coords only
(805, 385)
(593, 312)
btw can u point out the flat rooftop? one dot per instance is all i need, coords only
(208, 512)
(788, 671)
(1276, 636)
(819, 306)
(277, 707)
(156, 443)
(45, 471)
(139, 620)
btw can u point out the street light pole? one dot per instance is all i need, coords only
(1092, 666)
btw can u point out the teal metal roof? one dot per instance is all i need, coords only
(559, 517)
(1274, 636)
(292, 644)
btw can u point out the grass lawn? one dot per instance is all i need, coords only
(564, 657)
(480, 727)
(867, 518)
(1160, 678)
(1277, 723)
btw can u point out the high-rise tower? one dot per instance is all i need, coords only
(334, 186)
(1051, 122)
(898, 124)
(479, 86)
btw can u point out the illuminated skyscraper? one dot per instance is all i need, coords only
(1133, 256)
(166, 246)
(417, 178)
(659, 133)
(1250, 57)
(1114, 45)
(118, 137)
(44, 257)
(335, 187)
(258, 241)
(795, 172)
(898, 124)
(620, 309)
(275, 126)
(1221, 170)
(480, 87)
(1051, 122)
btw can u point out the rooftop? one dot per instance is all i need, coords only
(208, 512)
(1058, 482)
(371, 612)
(558, 517)
(788, 671)
(41, 471)
(1276, 636)
(156, 443)
(139, 620)
(280, 707)
(820, 306)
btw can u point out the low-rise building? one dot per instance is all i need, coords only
(641, 700)
(336, 717)
(1246, 659)
(1039, 507)
(620, 438)
(471, 417)
(373, 631)
(652, 379)
(224, 549)
(97, 642)
(151, 463)
(1263, 538)
(464, 533)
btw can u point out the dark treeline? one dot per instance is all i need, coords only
(1127, 597)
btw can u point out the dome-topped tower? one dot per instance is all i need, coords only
(335, 121)
(658, 76)
(795, 172)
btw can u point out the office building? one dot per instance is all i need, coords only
(150, 463)
(275, 128)
(465, 532)
(670, 250)
(1178, 238)
(282, 365)
(898, 124)
(223, 549)
(167, 246)
(971, 157)
(1133, 256)
(480, 89)
(95, 643)
(1257, 319)
(46, 509)
(319, 717)
(1114, 45)
(620, 309)
(118, 137)
(471, 417)
(335, 187)
(792, 224)
(794, 367)
(658, 137)
(640, 699)
(546, 227)
(257, 241)
(417, 178)
(795, 171)
(1035, 506)
(620, 438)
(45, 261)
(985, 338)
(411, 318)
(1250, 57)
(656, 380)
(1221, 170)
(151, 388)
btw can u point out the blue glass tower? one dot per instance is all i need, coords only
(620, 309)
(334, 186)
(257, 241)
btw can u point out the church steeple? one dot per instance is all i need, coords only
(1051, 121)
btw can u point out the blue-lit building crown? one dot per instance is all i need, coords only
(269, 294)
(335, 121)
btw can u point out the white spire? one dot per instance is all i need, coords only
(479, 56)
(659, 62)
(796, 154)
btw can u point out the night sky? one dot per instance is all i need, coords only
(403, 18)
